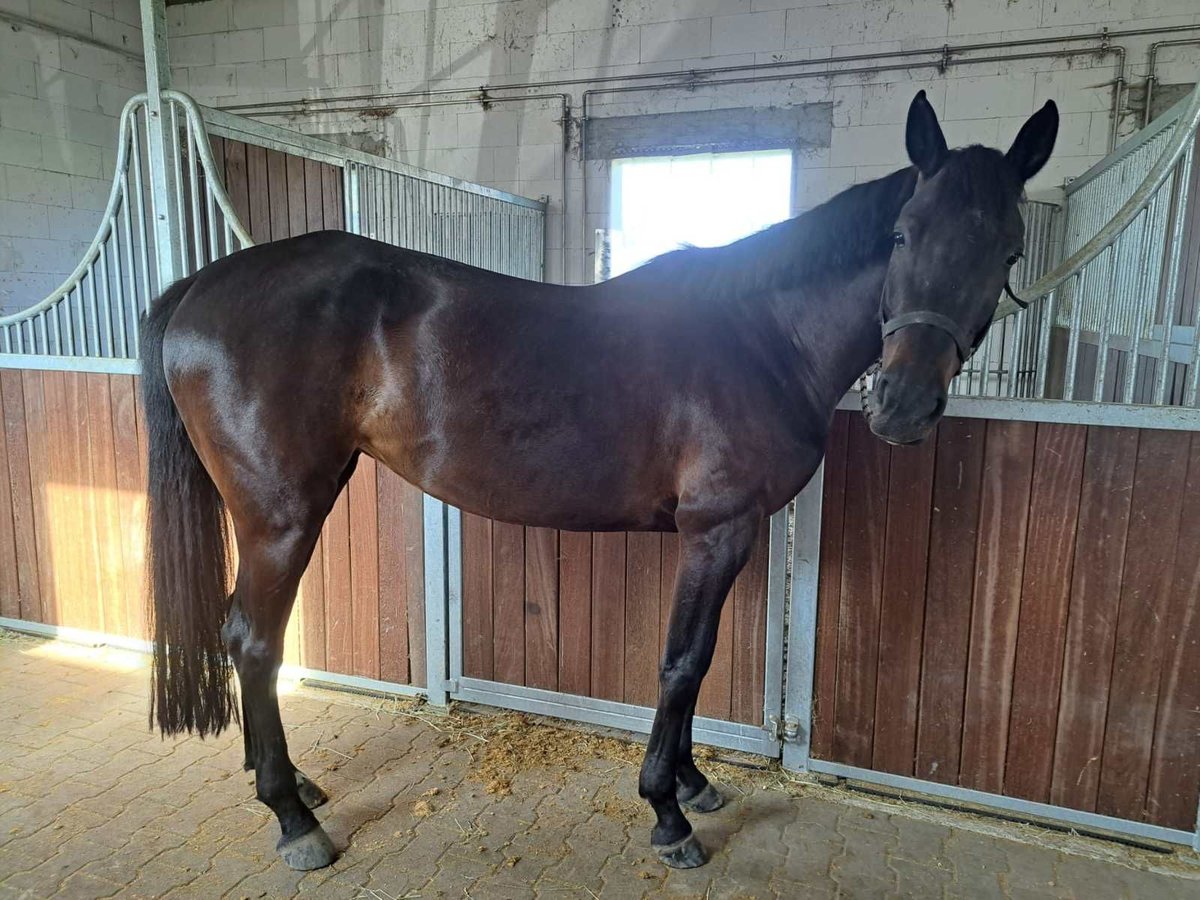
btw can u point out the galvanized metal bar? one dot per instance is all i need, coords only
(609, 714)
(1174, 251)
(1077, 303)
(194, 188)
(1106, 312)
(436, 601)
(41, 320)
(140, 207)
(160, 144)
(119, 299)
(454, 588)
(1009, 805)
(130, 270)
(777, 589)
(802, 627)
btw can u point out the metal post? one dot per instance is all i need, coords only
(436, 601)
(168, 250)
(802, 631)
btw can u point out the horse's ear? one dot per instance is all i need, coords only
(1035, 141)
(923, 136)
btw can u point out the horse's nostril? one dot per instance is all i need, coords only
(881, 383)
(939, 406)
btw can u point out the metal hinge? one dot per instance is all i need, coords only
(450, 686)
(787, 730)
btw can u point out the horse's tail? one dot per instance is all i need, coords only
(187, 553)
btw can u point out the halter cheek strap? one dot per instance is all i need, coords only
(925, 317)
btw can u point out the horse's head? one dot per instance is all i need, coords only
(955, 241)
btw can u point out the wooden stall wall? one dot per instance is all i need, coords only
(1015, 608)
(587, 614)
(72, 487)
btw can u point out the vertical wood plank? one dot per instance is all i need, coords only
(65, 512)
(902, 611)
(110, 561)
(37, 429)
(575, 612)
(1144, 609)
(393, 579)
(331, 196)
(1046, 595)
(339, 622)
(277, 195)
(20, 492)
(999, 564)
(867, 461)
(1108, 473)
(478, 628)
(643, 611)
(297, 214)
(10, 590)
(312, 609)
(131, 498)
(364, 568)
(950, 580)
(608, 615)
(1174, 788)
(259, 222)
(314, 204)
(716, 691)
(508, 586)
(829, 586)
(237, 183)
(749, 614)
(541, 608)
(414, 567)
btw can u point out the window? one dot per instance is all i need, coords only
(659, 203)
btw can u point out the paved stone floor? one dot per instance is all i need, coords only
(471, 805)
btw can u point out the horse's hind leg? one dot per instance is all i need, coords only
(273, 551)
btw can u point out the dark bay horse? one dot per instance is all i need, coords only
(692, 395)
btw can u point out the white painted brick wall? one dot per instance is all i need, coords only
(59, 103)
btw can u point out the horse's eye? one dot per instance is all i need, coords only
(898, 238)
(1015, 258)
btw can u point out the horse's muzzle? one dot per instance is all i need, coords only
(903, 409)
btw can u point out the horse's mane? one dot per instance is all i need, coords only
(842, 234)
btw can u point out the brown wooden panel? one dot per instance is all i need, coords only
(999, 560)
(608, 616)
(949, 584)
(829, 586)
(20, 494)
(1045, 599)
(297, 219)
(259, 222)
(314, 205)
(478, 630)
(749, 614)
(508, 602)
(1108, 473)
(414, 549)
(63, 548)
(1174, 788)
(393, 579)
(541, 608)
(331, 196)
(575, 612)
(669, 571)
(129, 458)
(867, 460)
(339, 631)
(237, 183)
(902, 610)
(10, 592)
(110, 560)
(277, 195)
(716, 691)
(1144, 608)
(643, 613)
(364, 568)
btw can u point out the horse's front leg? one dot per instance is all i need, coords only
(710, 559)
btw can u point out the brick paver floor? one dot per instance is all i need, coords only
(93, 805)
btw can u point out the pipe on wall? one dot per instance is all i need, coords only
(1152, 66)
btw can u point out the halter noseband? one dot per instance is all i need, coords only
(927, 317)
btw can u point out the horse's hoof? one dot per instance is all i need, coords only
(685, 854)
(707, 800)
(310, 794)
(313, 850)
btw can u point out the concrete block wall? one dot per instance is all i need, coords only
(60, 99)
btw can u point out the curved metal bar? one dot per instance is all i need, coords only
(115, 196)
(216, 184)
(1185, 131)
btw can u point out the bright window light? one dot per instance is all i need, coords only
(659, 203)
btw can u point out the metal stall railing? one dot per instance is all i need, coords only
(1108, 323)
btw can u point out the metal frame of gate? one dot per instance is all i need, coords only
(443, 573)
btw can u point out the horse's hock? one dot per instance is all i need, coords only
(1002, 619)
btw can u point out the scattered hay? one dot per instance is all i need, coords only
(422, 809)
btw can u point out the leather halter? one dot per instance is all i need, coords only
(965, 345)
